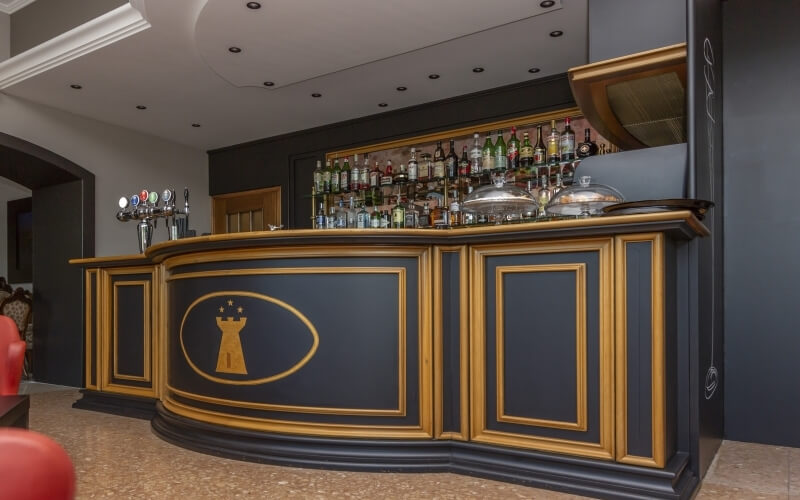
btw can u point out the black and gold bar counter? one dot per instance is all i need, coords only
(544, 353)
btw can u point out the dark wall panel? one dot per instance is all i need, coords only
(761, 272)
(57, 300)
(276, 160)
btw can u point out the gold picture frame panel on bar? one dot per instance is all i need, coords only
(479, 430)
(110, 379)
(424, 429)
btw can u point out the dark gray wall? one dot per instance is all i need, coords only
(46, 19)
(621, 27)
(762, 229)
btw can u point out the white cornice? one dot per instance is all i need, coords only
(115, 25)
(14, 5)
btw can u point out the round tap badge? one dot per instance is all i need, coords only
(123, 203)
(153, 197)
(143, 196)
(135, 200)
(166, 195)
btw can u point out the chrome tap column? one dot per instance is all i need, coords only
(146, 207)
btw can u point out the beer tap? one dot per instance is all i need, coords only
(145, 208)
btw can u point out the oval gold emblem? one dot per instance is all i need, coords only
(233, 335)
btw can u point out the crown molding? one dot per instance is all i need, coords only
(112, 26)
(14, 5)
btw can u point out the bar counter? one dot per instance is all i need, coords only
(545, 353)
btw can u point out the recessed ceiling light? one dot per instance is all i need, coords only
(76, 86)
(556, 33)
(195, 125)
(477, 70)
(253, 5)
(316, 94)
(534, 70)
(383, 104)
(402, 89)
(236, 50)
(433, 76)
(141, 107)
(546, 4)
(269, 84)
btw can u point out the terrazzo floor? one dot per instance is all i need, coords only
(119, 457)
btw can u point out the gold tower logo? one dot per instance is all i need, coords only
(231, 357)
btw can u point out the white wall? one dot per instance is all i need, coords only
(123, 162)
(8, 191)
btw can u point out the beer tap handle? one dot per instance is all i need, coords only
(186, 205)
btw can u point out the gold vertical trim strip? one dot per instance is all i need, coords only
(425, 342)
(581, 417)
(438, 342)
(604, 447)
(91, 309)
(657, 360)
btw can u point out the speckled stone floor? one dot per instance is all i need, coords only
(119, 457)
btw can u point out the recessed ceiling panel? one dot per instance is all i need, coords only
(289, 41)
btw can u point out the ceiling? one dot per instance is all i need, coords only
(11, 6)
(354, 53)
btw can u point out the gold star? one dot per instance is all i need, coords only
(239, 309)
(230, 302)
(221, 309)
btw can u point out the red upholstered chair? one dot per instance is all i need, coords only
(34, 467)
(12, 355)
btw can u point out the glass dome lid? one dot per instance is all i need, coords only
(499, 198)
(583, 198)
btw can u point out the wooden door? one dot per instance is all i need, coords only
(246, 210)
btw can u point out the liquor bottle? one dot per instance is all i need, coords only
(513, 150)
(341, 216)
(330, 221)
(386, 178)
(352, 214)
(439, 216)
(335, 185)
(539, 150)
(500, 153)
(355, 175)
(401, 176)
(526, 152)
(438, 162)
(326, 177)
(363, 182)
(587, 147)
(344, 176)
(455, 213)
(425, 167)
(475, 155)
(385, 220)
(375, 176)
(488, 154)
(375, 219)
(451, 162)
(412, 215)
(413, 167)
(553, 144)
(318, 177)
(398, 215)
(567, 142)
(362, 220)
(463, 164)
(321, 220)
(425, 216)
